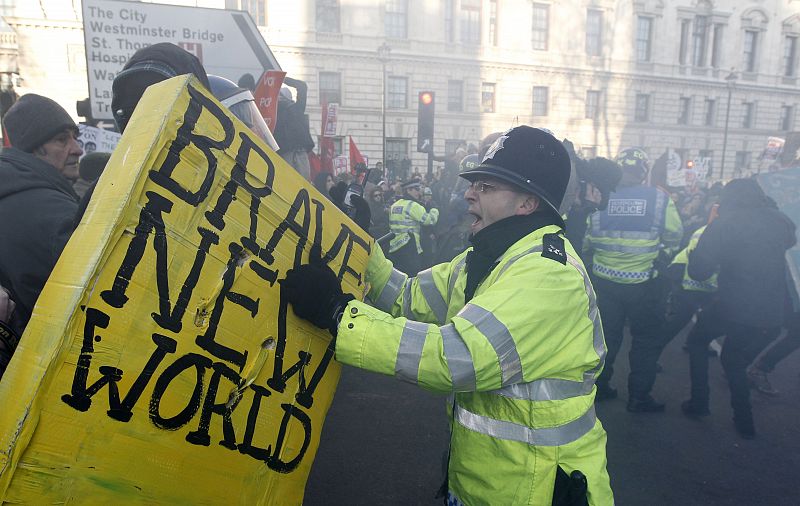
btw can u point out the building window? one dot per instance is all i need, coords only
(642, 112)
(487, 97)
(540, 95)
(750, 49)
(699, 41)
(256, 8)
(684, 45)
(787, 118)
(748, 114)
(644, 37)
(449, 22)
(541, 26)
(711, 112)
(743, 159)
(493, 22)
(594, 32)
(455, 96)
(396, 20)
(396, 152)
(397, 92)
(330, 88)
(592, 104)
(328, 16)
(716, 49)
(790, 56)
(685, 110)
(588, 152)
(452, 145)
(471, 21)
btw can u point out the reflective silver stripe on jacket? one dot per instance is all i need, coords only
(554, 436)
(625, 248)
(454, 277)
(624, 234)
(407, 298)
(391, 291)
(553, 389)
(432, 296)
(459, 360)
(500, 338)
(409, 353)
(621, 274)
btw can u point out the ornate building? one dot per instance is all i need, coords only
(606, 74)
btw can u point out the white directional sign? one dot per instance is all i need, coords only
(228, 43)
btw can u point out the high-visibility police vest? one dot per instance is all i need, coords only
(687, 283)
(627, 236)
(521, 359)
(405, 219)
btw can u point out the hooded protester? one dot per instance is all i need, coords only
(147, 66)
(37, 202)
(747, 243)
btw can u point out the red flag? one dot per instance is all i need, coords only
(355, 156)
(266, 95)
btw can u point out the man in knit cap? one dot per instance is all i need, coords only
(37, 201)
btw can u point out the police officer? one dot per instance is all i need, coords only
(640, 227)
(510, 327)
(406, 216)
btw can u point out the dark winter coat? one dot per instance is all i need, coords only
(747, 243)
(37, 207)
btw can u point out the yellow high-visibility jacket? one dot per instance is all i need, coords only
(521, 359)
(405, 219)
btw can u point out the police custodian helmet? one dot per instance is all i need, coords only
(530, 159)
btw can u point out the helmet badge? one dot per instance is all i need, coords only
(496, 146)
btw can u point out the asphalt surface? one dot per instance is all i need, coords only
(383, 443)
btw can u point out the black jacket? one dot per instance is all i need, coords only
(748, 245)
(291, 125)
(37, 207)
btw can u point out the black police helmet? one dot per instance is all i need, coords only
(530, 159)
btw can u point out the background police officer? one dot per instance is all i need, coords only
(640, 229)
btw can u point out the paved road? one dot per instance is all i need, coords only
(383, 443)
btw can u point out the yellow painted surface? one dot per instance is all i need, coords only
(160, 365)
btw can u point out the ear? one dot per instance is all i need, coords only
(528, 205)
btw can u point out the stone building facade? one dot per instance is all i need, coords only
(606, 74)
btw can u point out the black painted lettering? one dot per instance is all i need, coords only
(186, 362)
(211, 407)
(207, 341)
(79, 399)
(185, 137)
(276, 463)
(246, 447)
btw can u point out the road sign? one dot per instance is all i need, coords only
(227, 42)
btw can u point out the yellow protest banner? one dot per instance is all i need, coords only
(161, 364)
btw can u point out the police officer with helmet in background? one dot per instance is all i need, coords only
(629, 245)
(510, 327)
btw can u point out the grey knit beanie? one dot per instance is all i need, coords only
(34, 120)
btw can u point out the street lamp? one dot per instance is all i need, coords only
(383, 55)
(730, 82)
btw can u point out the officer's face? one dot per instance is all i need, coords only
(491, 200)
(62, 152)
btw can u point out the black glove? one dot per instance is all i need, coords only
(359, 212)
(315, 294)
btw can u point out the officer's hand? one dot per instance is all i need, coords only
(315, 294)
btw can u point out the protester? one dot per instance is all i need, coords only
(291, 127)
(489, 327)
(747, 243)
(37, 202)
